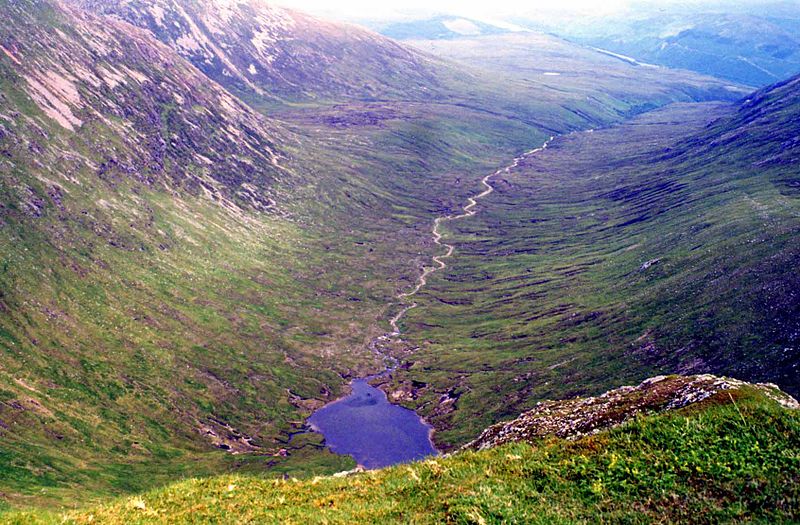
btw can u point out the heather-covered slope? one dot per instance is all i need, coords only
(763, 131)
(614, 255)
(71, 72)
(159, 293)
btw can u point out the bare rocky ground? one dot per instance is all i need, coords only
(582, 416)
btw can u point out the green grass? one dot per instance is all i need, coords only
(716, 462)
(546, 297)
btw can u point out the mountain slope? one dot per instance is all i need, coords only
(728, 457)
(154, 268)
(763, 131)
(259, 49)
(80, 82)
(614, 255)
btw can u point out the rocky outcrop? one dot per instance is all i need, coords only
(579, 417)
(106, 98)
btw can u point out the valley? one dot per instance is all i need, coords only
(358, 423)
(532, 275)
(218, 217)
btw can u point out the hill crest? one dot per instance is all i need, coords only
(575, 418)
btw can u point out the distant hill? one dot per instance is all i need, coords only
(440, 27)
(754, 48)
(554, 69)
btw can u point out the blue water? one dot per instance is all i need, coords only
(372, 430)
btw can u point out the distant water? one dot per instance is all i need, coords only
(372, 430)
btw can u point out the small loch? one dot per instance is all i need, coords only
(375, 432)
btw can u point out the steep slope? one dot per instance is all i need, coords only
(159, 292)
(160, 108)
(258, 49)
(728, 455)
(763, 131)
(614, 255)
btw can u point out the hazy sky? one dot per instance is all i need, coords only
(493, 9)
(382, 8)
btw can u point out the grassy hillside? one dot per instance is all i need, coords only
(614, 255)
(728, 458)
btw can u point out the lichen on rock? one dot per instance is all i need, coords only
(579, 417)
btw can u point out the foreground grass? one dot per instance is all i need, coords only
(720, 461)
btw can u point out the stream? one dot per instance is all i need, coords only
(364, 424)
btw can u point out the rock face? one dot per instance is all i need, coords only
(262, 50)
(578, 417)
(134, 111)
